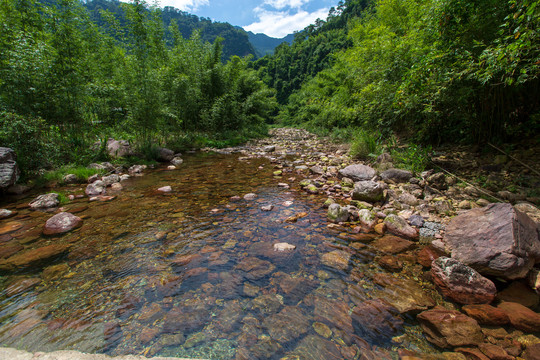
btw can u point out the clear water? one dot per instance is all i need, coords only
(194, 274)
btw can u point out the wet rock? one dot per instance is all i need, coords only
(136, 169)
(337, 213)
(102, 198)
(151, 313)
(314, 347)
(392, 244)
(519, 293)
(472, 353)
(295, 218)
(177, 161)
(250, 196)
(10, 249)
(185, 320)
(61, 223)
(283, 247)
(337, 259)
(18, 189)
(9, 227)
(494, 240)
(267, 208)
(335, 313)
(255, 268)
(117, 187)
(358, 172)
(289, 324)
(396, 175)
(9, 170)
(521, 317)
(376, 321)
(263, 349)
(267, 304)
(322, 329)
(390, 263)
(269, 148)
(164, 154)
(148, 334)
(21, 285)
(403, 294)
(532, 352)
(110, 179)
(368, 190)
(398, 226)
(450, 328)
(229, 317)
(45, 201)
(486, 314)
(165, 189)
(118, 148)
(428, 254)
(462, 283)
(95, 188)
(33, 257)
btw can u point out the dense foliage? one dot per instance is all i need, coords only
(436, 70)
(66, 82)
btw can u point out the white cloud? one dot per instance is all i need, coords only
(281, 4)
(281, 23)
(184, 5)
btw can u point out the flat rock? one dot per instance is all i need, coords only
(495, 240)
(255, 268)
(399, 226)
(45, 201)
(403, 294)
(519, 292)
(450, 328)
(521, 317)
(462, 283)
(284, 247)
(289, 324)
(337, 213)
(9, 227)
(7, 250)
(486, 314)
(5, 214)
(95, 188)
(337, 259)
(33, 257)
(61, 223)
(314, 347)
(428, 254)
(377, 321)
(358, 172)
(392, 244)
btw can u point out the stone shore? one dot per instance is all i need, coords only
(14, 354)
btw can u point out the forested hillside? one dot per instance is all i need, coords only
(265, 44)
(67, 81)
(436, 71)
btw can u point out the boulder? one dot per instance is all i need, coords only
(495, 240)
(95, 188)
(111, 179)
(61, 223)
(486, 314)
(337, 259)
(405, 295)
(5, 213)
(45, 201)
(377, 321)
(399, 226)
(9, 171)
(366, 218)
(396, 175)
(368, 190)
(165, 189)
(164, 154)
(136, 169)
(462, 283)
(118, 148)
(269, 148)
(450, 328)
(289, 324)
(337, 213)
(392, 244)
(358, 172)
(70, 179)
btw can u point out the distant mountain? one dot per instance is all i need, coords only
(265, 44)
(235, 41)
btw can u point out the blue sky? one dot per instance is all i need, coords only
(275, 18)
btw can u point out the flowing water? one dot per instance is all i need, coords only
(194, 274)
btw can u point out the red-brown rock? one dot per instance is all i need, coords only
(520, 293)
(494, 240)
(10, 227)
(61, 223)
(472, 354)
(450, 328)
(532, 352)
(33, 257)
(521, 317)
(428, 254)
(494, 352)
(9, 250)
(392, 244)
(487, 314)
(462, 283)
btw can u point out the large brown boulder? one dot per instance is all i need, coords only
(450, 328)
(358, 172)
(9, 171)
(462, 283)
(521, 317)
(33, 257)
(495, 240)
(61, 223)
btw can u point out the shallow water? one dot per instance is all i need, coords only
(194, 274)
